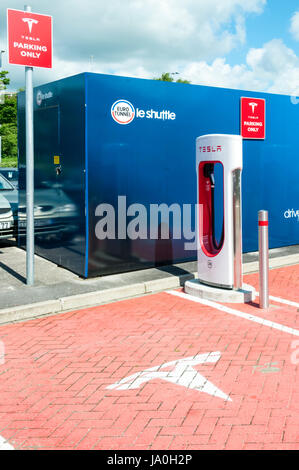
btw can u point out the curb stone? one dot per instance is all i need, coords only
(73, 302)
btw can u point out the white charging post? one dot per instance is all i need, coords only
(220, 266)
(220, 275)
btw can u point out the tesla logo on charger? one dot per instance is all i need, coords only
(123, 112)
(211, 148)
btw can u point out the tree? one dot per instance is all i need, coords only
(8, 110)
(166, 77)
(8, 124)
(180, 80)
(4, 80)
(9, 140)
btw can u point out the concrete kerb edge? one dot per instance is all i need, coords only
(90, 299)
(279, 262)
(98, 297)
(25, 312)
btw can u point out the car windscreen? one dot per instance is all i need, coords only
(5, 185)
(9, 174)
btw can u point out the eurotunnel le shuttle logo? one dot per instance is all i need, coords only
(43, 96)
(123, 112)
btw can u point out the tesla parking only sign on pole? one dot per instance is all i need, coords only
(29, 44)
(253, 118)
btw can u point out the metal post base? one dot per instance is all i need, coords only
(195, 288)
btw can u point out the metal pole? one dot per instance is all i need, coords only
(237, 221)
(2, 87)
(29, 174)
(2, 101)
(263, 259)
(1, 52)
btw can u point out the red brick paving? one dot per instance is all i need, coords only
(53, 384)
(283, 282)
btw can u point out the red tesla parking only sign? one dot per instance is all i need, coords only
(253, 117)
(29, 38)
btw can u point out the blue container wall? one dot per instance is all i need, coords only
(59, 131)
(148, 161)
(152, 161)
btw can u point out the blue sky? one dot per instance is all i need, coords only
(274, 22)
(241, 44)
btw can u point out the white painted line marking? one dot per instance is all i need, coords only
(283, 301)
(237, 313)
(4, 445)
(182, 373)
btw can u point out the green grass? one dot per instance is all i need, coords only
(9, 162)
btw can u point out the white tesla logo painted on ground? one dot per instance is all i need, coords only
(181, 372)
(5, 445)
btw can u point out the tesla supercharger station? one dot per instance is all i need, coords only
(219, 259)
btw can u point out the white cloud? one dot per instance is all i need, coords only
(273, 68)
(152, 29)
(272, 58)
(295, 25)
(144, 38)
(140, 35)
